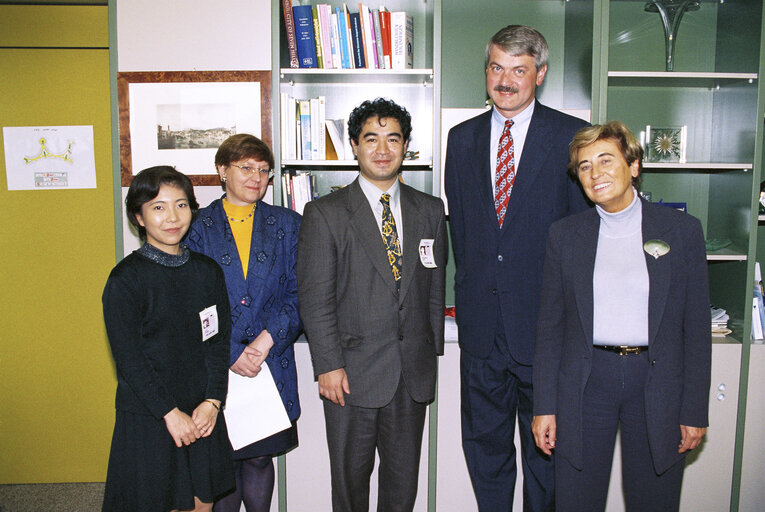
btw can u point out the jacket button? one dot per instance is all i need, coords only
(401, 338)
(494, 291)
(653, 362)
(499, 258)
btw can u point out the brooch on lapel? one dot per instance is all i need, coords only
(656, 248)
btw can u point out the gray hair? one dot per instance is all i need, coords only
(520, 40)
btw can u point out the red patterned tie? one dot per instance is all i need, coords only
(505, 172)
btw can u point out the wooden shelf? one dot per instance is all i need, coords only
(357, 76)
(677, 78)
(350, 163)
(709, 166)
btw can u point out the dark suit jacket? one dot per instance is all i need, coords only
(267, 299)
(504, 266)
(679, 335)
(353, 316)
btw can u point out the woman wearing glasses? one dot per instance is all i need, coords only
(255, 244)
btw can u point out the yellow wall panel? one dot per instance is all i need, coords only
(56, 373)
(53, 26)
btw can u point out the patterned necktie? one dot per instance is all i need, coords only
(390, 239)
(505, 172)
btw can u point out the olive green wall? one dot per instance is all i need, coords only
(56, 374)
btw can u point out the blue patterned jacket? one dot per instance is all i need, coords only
(268, 298)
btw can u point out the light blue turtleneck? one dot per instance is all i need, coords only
(620, 280)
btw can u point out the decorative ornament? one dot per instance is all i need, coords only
(671, 12)
(656, 248)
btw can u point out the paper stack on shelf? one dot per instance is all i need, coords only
(720, 322)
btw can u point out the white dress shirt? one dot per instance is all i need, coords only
(518, 131)
(373, 195)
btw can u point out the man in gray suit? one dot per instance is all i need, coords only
(370, 268)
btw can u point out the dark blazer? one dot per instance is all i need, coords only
(353, 316)
(267, 299)
(679, 335)
(505, 265)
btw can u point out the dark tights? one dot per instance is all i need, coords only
(254, 486)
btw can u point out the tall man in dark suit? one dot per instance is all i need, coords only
(506, 183)
(370, 267)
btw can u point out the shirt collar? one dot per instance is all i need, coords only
(524, 116)
(373, 193)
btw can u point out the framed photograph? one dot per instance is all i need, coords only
(665, 144)
(180, 118)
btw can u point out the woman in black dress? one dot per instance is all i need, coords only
(167, 317)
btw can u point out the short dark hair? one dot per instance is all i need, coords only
(145, 187)
(615, 131)
(380, 108)
(242, 146)
(520, 40)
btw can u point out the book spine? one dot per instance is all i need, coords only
(385, 29)
(357, 39)
(320, 129)
(326, 35)
(378, 38)
(315, 144)
(350, 36)
(409, 44)
(304, 35)
(289, 27)
(366, 35)
(337, 54)
(317, 38)
(305, 128)
(342, 31)
(397, 29)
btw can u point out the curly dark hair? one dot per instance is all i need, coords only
(380, 108)
(145, 187)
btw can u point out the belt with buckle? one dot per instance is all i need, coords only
(623, 350)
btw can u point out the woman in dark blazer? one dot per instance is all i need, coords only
(623, 339)
(256, 245)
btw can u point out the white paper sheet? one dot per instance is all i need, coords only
(254, 409)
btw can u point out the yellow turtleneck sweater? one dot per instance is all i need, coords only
(242, 231)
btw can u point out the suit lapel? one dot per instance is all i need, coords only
(413, 231)
(363, 223)
(659, 270)
(481, 166)
(584, 249)
(533, 155)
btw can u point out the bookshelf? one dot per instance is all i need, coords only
(715, 91)
(417, 89)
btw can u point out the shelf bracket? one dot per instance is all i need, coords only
(671, 12)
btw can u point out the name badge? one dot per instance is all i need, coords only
(209, 319)
(426, 253)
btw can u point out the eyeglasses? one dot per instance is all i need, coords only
(264, 173)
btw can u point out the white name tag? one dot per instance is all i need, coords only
(426, 253)
(209, 319)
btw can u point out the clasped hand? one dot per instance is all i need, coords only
(250, 361)
(185, 429)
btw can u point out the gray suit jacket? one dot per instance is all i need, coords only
(679, 336)
(352, 314)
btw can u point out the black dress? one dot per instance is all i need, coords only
(152, 303)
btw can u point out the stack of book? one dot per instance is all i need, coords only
(306, 134)
(720, 322)
(321, 36)
(298, 187)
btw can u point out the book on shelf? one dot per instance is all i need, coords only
(298, 188)
(342, 38)
(289, 28)
(318, 114)
(317, 38)
(369, 38)
(304, 107)
(357, 40)
(402, 40)
(305, 38)
(720, 322)
(335, 142)
(385, 29)
(325, 27)
(378, 38)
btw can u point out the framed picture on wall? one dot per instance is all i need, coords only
(180, 118)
